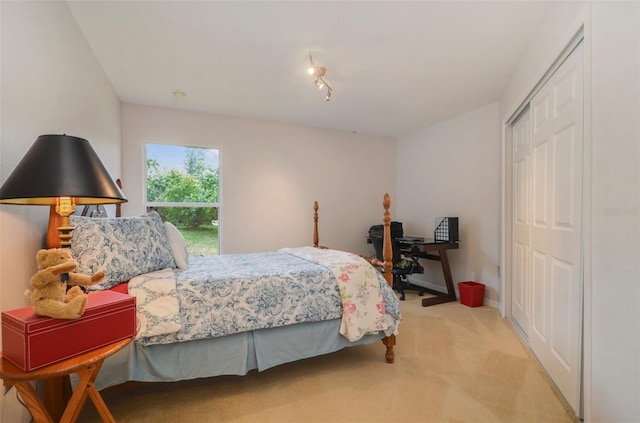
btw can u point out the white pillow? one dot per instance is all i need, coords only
(178, 245)
(121, 247)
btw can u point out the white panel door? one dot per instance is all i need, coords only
(555, 331)
(521, 288)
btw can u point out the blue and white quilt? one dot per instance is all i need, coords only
(226, 294)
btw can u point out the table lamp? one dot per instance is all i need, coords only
(60, 171)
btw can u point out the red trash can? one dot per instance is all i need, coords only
(471, 293)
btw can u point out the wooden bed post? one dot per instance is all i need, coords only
(316, 238)
(387, 255)
(119, 205)
(387, 250)
(387, 265)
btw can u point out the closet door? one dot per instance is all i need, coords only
(521, 287)
(556, 226)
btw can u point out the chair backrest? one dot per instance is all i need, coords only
(378, 241)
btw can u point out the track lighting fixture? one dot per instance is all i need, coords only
(321, 79)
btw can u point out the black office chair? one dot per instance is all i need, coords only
(403, 265)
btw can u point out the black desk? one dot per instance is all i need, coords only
(430, 250)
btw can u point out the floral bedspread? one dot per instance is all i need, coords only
(362, 304)
(232, 293)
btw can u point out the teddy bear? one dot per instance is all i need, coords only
(50, 296)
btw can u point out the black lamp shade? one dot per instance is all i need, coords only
(60, 166)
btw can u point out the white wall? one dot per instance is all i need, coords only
(615, 315)
(271, 175)
(50, 83)
(612, 217)
(563, 21)
(453, 169)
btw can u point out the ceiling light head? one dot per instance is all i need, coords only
(179, 95)
(317, 71)
(328, 96)
(320, 77)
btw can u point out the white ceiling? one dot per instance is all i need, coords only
(395, 66)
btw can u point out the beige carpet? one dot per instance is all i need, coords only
(453, 364)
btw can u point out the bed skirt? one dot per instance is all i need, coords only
(229, 355)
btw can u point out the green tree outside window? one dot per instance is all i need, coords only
(183, 186)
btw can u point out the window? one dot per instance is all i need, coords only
(183, 186)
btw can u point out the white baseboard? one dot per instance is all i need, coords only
(415, 280)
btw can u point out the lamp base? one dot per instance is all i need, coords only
(55, 221)
(65, 235)
(59, 230)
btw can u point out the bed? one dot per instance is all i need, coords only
(225, 315)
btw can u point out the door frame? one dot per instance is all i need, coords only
(507, 207)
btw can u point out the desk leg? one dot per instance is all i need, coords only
(31, 400)
(450, 296)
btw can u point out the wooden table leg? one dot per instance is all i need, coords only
(450, 296)
(56, 393)
(31, 400)
(444, 260)
(86, 365)
(97, 400)
(85, 387)
(79, 396)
